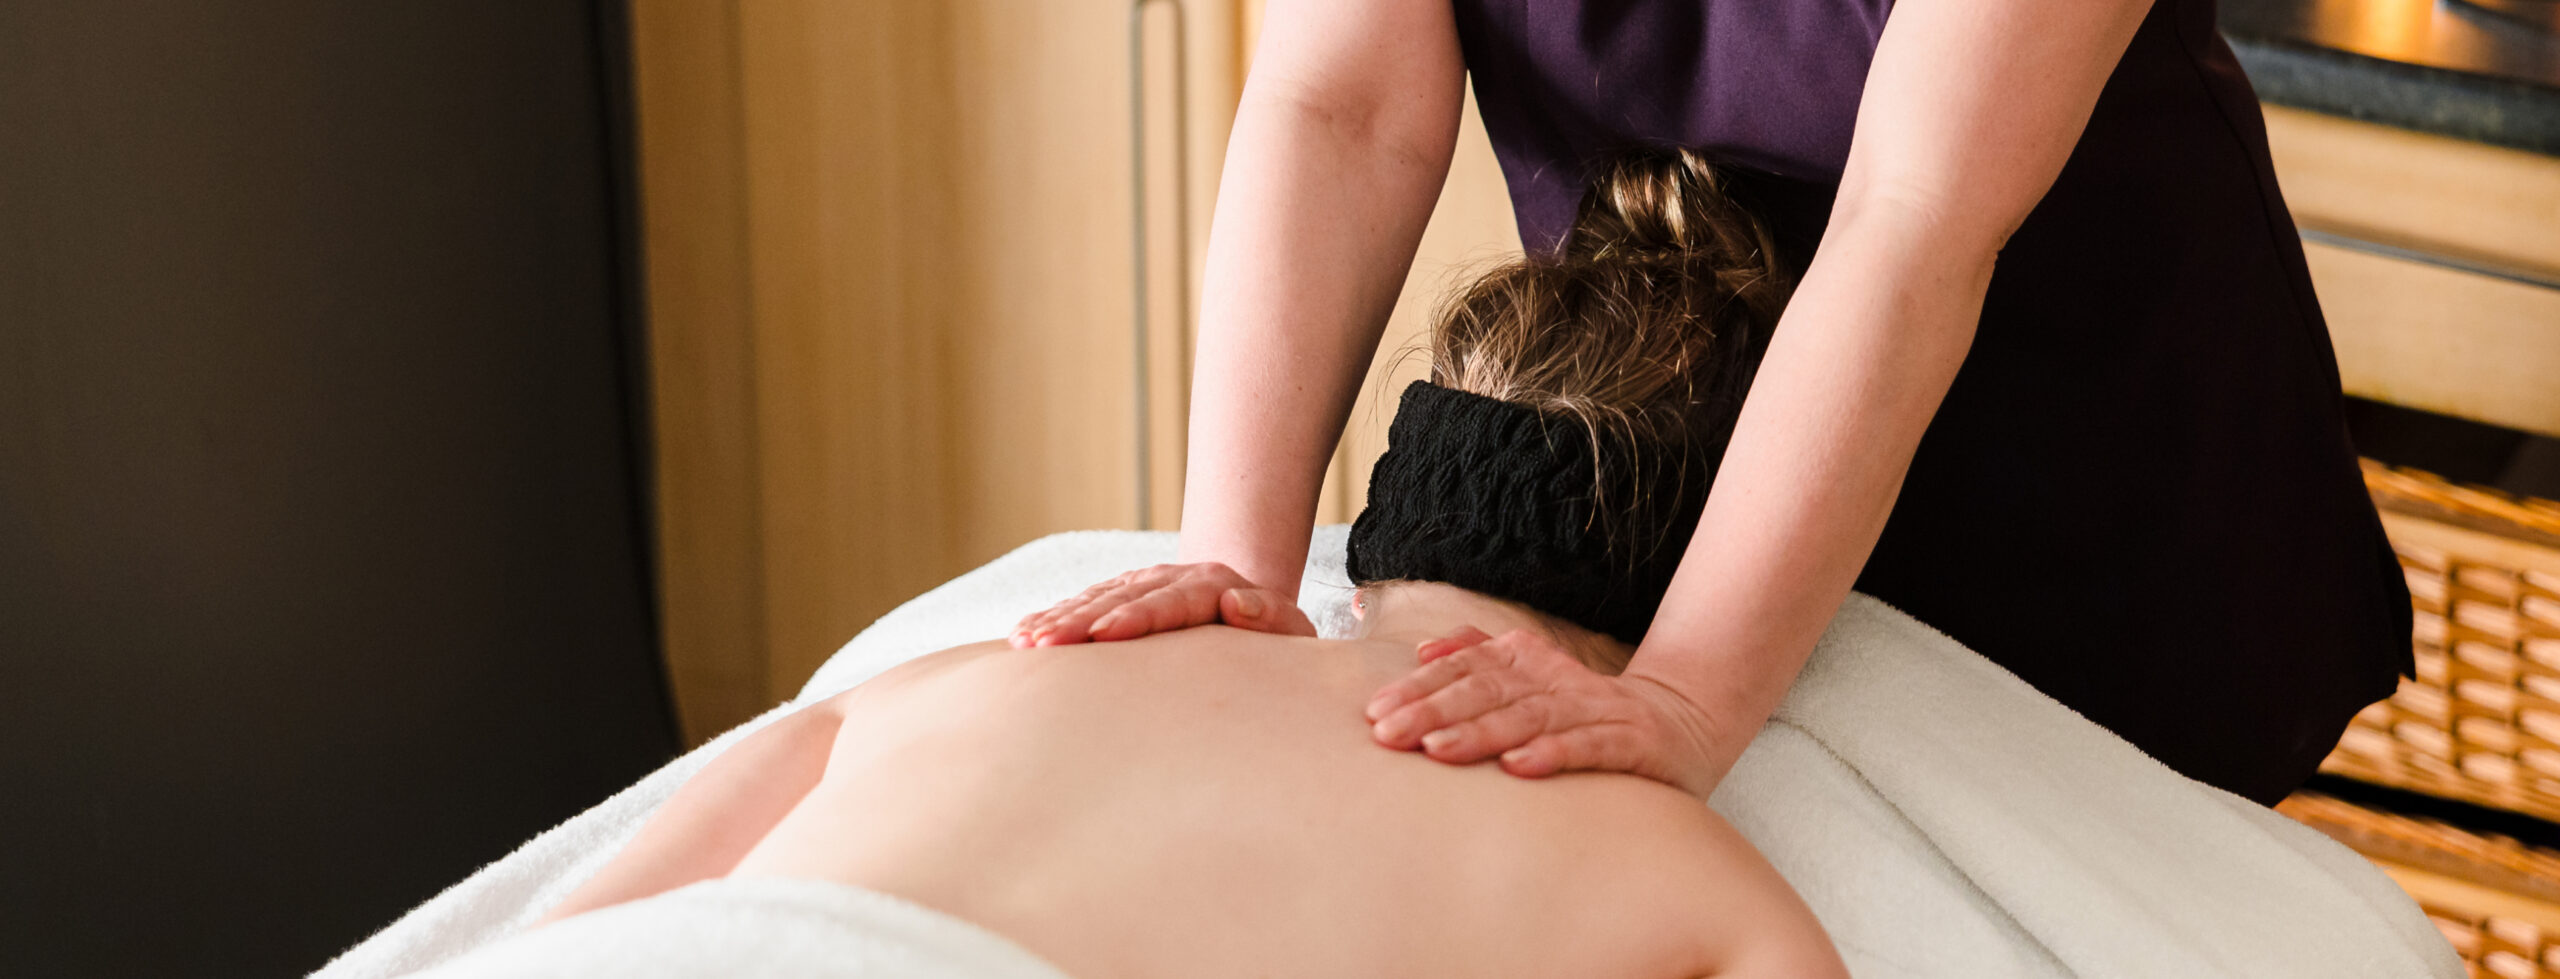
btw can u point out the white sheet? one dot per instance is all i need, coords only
(1941, 817)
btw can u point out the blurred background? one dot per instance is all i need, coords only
(423, 420)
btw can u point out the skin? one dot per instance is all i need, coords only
(1190, 802)
(1969, 111)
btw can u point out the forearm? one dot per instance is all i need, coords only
(1319, 213)
(1853, 374)
(1971, 108)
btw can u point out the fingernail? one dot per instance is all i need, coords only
(1377, 708)
(1104, 622)
(1250, 604)
(1516, 755)
(1436, 739)
(1386, 731)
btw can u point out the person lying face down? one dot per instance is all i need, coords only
(1209, 801)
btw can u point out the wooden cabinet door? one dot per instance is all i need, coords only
(889, 264)
(2437, 262)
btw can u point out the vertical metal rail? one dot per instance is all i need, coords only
(1138, 238)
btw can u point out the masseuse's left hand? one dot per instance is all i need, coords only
(1164, 598)
(1521, 698)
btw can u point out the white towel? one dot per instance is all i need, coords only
(1941, 817)
(754, 928)
(1944, 818)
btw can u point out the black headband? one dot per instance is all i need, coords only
(1497, 498)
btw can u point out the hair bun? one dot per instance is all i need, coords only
(1664, 202)
(1644, 332)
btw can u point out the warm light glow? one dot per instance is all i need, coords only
(2382, 25)
(2419, 31)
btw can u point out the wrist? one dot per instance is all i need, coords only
(1267, 567)
(1707, 730)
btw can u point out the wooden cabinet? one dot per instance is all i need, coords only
(889, 265)
(2437, 262)
(889, 269)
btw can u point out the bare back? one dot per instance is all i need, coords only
(1203, 801)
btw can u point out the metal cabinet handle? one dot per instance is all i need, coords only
(1139, 328)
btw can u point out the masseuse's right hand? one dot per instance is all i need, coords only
(1163, 598)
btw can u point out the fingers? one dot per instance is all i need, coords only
(1071, 621)
(1518, 697)
(1076, 624)
(1607, 747)
(1420, 683)
(1446, 659)
(1186, 601)
(1463, 699)
(1162, 598)
(1434, 649)
(1034, 626)
(1459, 687)
(1501, 729)
(1437, 672)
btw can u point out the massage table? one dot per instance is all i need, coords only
(1941, 817)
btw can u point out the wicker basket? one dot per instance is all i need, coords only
(2481, 723)
(2497, 901)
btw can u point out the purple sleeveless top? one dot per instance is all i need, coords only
(2139, 494)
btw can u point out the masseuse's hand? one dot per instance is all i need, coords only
(1521, 698)
(1163, 598)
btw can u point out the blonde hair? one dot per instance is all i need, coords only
(1644, 328)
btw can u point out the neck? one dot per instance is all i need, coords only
(1416, 612)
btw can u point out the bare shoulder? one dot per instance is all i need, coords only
(889, 682)
(1705, 889)
(1764, 927)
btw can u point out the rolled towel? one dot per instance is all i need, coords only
(754, 927)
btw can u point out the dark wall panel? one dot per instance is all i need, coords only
(321, 569)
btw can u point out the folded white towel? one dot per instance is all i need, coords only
(1941, 817)
(2110, 863)
(755, 928)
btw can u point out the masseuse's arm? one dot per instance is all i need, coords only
(1969, 111)
(1341, 144)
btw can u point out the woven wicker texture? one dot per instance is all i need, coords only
(2432, 845)
(2497, 948)
(2492, 944)
(2412, 490)
(2481, 722)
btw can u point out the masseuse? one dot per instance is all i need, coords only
(2112, 460)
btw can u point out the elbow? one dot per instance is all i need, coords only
(1408, 127)
(1939, 222)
